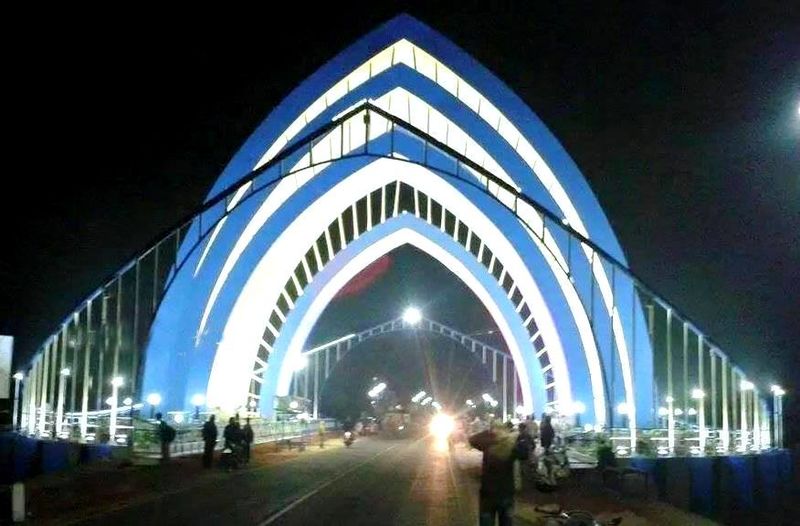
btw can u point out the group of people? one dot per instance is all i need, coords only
(505, 448)
(238, 440)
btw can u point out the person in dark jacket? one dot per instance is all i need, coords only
(546, 432)
(209, 440)
(501, 449)
(232, 435)
(247, 439)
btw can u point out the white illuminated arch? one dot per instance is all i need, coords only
(245, 325)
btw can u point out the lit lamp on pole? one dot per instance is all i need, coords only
(699, 395)
(777, 412)
(578, 408)
(671, 413)
(412, 316)
(62, 385)
(116, 383)
(622, 409)
(197, 401)
(17, 381)
(154, 399)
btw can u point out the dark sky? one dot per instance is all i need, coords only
(684, 120)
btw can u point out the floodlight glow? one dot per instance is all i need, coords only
(417, 397)
(663, 411)
(437, 405)
(441, 426)
(18, 376)
(127, 401)
(777, 390)
(519, 410)
(486, 398)
(494, 403)
(426, 401)
(470, 403)
(154, 399)
(198, 399)
(678, 411)
(669, 399)
(117, 381)
(588, 427)
(746, 385)
(578, 408)
(293, 404)
(412, 315)
(65, 371)
(110, 400)
(178, 418)
(692, 411)
(378, 389)
(252, 404)
(698, 394)
(622, 408)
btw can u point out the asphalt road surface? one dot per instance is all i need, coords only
(403, 482)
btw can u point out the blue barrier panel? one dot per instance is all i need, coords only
(656, 469)
(93, 452)
(26, 459)
(766, 491)
(701, 493)
(55, 456)
(677, 485)
(741, 485)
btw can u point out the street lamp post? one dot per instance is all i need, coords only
(197, 401)
(777, 415)
(116, 383)
(699, 395)
(744, 386)
(671, 425)
(154, 399)
(17, 380)
(62, 385)
(412, 316)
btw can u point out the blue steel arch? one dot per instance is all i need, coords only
(176, 322)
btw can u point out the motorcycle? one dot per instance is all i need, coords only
(349, 437)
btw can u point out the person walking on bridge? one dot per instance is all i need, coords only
(247, 439)
(501, 449)
(209, 440)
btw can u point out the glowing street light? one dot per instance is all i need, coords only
(699, 395)
(412, 315)
(417, 397)
(777, 413)
(62, 384)
(116, 383)
(198, 400)
(17, 379)
(154, 399)
(426, 401)
(377, 390)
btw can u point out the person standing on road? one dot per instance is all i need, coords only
(166, 434)
(321, 431)
(546, 433)
(247, 439)
(209, 441)
(500, 449)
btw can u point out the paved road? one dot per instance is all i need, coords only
(374, 482)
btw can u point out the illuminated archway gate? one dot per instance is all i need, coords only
(320, 361)
(434, 158)
(401, 139)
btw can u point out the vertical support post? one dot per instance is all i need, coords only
(87, 355)
(726, 438)
(711, 355)
(32, 379)
(316, 386)
(15, 413)
(505, 388)
(671, 425)
(756, 423)
(686, 374)
(494, 367)
(515, 385)
(43, 400)
(743, 418)
(135, 328)
(670, 388)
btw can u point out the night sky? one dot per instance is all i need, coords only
(684, 121)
